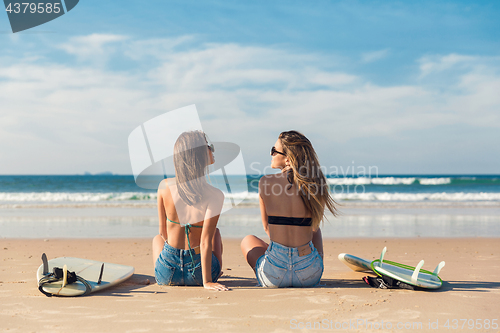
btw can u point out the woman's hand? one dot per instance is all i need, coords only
(215, 286)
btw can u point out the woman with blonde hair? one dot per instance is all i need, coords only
(188, 249)
(292, 206)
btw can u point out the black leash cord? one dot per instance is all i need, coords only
(51, 278)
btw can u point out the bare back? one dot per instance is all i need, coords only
(280, 198)
(171, 206)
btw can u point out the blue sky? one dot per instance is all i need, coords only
(408, 87)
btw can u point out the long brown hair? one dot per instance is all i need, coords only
(191, 160)
(305, 172)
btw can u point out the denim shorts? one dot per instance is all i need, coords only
(174, 267)
(281, 266)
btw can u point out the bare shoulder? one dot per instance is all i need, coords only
(272, 179)
(163, 187)
(214, 198)
(216, 193)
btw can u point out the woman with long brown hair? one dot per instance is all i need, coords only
(188, 248)
(292, 205)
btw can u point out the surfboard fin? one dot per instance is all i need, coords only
(438, 268)
(382, 256)
(65, 276)
(45, 264)
(414, 276)
(100, 275)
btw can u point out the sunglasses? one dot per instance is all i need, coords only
(274, 152)
(211, 147)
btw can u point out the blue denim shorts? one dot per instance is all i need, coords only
(281, 266)
(174, 267)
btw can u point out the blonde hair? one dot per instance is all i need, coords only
(305, 172)
(191, 159)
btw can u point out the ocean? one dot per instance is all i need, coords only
(108, 206)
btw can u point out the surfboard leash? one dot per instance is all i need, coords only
(386, 282)
(61, 274)
(54, 277)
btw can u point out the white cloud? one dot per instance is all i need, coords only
(457, 64)
(374, 55)
(92, 46)
(72, 118)
(158, 48)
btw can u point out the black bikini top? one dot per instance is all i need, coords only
(282, 220)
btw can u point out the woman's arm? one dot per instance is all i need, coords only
(207, 235)
(263, 214)
(162, 216)
(318, 241)
(262, 191)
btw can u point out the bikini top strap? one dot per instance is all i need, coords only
(185, 225)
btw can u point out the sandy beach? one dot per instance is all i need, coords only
(342, 302)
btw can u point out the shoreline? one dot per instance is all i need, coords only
(470, 290)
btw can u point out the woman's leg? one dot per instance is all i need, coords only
(217, 246)
(253, 248)
(158, 244)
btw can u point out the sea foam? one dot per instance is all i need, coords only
(389, 181)
(127, 197)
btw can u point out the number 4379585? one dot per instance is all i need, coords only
(471, 324)
(33, 8)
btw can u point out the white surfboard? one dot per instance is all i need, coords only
(90, 270)
(415, 276)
